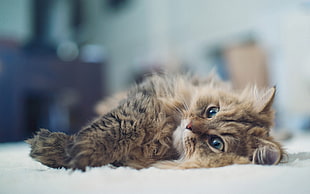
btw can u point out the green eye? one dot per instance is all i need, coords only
(212, 111)
(216, 142)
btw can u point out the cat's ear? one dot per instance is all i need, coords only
(265, 101)
(267, 153)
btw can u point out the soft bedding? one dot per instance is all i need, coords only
(21, 174)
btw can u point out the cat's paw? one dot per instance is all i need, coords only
(49, 148)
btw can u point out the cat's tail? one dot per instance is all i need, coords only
(50, 148)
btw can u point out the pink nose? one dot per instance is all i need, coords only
(189, 126)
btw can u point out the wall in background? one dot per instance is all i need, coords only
(15, 19)
(145, 31)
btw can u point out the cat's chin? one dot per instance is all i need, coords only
(179, 136)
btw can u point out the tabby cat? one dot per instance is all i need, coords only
(170, 122)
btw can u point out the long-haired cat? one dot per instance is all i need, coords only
(173, 122)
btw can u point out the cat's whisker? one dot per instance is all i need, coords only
(186, 107)
(178, 109)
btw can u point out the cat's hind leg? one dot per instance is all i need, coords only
(49, 148)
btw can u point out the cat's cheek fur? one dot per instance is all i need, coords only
(208, 162)
(189, 164)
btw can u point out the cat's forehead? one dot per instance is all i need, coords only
(216, 97)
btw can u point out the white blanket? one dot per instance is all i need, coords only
(20, 174)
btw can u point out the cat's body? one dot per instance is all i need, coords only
(170, 122)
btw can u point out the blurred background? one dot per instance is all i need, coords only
(58, 58)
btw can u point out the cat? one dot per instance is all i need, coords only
(170, 122)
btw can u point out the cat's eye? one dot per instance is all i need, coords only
(212, 111)
(216, 142)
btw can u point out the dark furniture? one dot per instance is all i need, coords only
(37, 90)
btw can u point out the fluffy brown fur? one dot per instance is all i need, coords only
(170, 122)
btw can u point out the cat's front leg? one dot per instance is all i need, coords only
(93, 148)
(105, 141)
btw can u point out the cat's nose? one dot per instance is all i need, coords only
(189, 126)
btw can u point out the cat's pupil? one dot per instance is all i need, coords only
(217, 143)
(212, 111)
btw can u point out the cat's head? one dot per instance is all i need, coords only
(223, 127)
